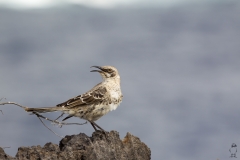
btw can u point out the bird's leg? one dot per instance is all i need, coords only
(69, 116)
(98, 126)
(93, 126)
(59, 116)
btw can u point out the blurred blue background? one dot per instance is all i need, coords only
(179, 63)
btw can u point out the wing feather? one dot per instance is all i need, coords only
(95, 96)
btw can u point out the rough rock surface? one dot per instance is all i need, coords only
(82, 147)
(4, 156)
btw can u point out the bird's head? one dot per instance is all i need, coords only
(107, 72)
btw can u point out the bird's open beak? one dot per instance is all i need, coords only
(97, 70)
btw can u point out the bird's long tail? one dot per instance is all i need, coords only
(44, 110)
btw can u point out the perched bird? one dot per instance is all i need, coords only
(92, 105)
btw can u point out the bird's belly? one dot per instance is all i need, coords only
(93, 113)
(98, 112)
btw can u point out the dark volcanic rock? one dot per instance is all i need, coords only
(82, 147)
(4, 156)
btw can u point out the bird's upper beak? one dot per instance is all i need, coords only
(101, 70)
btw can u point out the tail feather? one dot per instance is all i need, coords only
(43, 110)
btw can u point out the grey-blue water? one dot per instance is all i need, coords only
(179, 67)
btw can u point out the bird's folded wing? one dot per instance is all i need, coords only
(95, 96)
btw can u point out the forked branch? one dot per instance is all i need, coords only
(60, 123)
(57, 122)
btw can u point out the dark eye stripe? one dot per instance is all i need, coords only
(108, 70)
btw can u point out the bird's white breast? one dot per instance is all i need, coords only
(114, 95)
(113, 106)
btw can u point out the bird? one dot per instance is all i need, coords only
(106, 96)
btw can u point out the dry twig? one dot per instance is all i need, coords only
(57, 122)
(14, 104)
(60, 123)
(49, 128)
(2, 98)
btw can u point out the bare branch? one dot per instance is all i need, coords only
(13, 103)
(39, 115)
(57, 122)
(5, 147)
(60, 123)
(54, 121)
(2, 98)
(49, 128)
